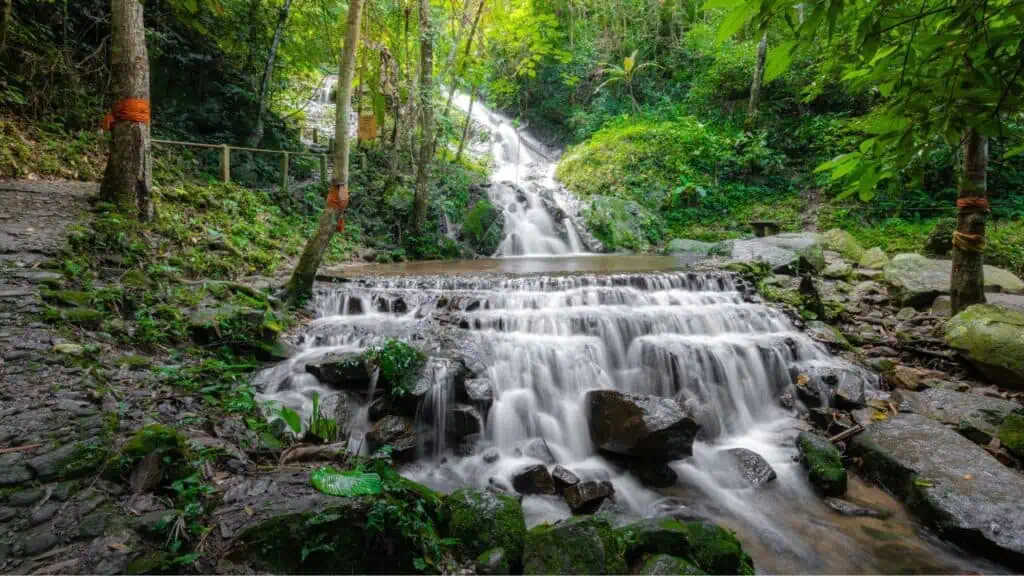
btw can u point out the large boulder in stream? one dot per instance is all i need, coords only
(482, 520)
(839, 240)
(398, 432)
(824, 464)
(686, 246)
(974, 416)
(341, 370)
(579, 545)
(649, 428)
(786, 253)
(992, 338)
(712, 548)
(950, 483)
(916, 280)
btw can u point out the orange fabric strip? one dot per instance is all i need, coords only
(974, 202)
(969, 242)
(129, 110)
(337, 199)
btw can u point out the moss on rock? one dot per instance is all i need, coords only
(482, 520)
(73, 298)
(579, 545)
(84, 317)
(711, 547)
(824, 463)
(992, 337)
(482, 227)
(663, 564)
(494, 561)
(1011, 433)
(839, 240)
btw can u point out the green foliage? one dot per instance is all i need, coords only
(483, 227)
(320, 427)
(398, 363)
(347, 484)
(46, 150)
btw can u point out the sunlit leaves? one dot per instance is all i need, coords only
(779, 59)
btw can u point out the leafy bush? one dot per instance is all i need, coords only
(483, 226)
(398, 363)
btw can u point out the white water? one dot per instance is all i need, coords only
(519, 159)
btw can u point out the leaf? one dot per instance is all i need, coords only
(779, 59)
(346, 484)
(879, 416)
(732, 23)
(291, 418)
(922, 483)
(802, 380)
(1015, 151)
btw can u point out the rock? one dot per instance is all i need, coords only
(39, 541)
(268, 519)
(483, 227)
(711, 547)
(754, 468)
(622, 224)
(940, 239)
(536, 448)
(906, 314)
(827, 334)
(563, 478)
(490, 456)
(69, 349)
(838, 270)
(646, 427)
(824, 463)
(942, 306)
(50, 465)
(533, 479)
(483, 521)
(6, 513)
(827, 383)
(841, 241)
(874, 259)
(785, 253)
(494, 561)
(25, 497)
(146, 474)
(44, 513)
(14, 474)
(586, 497)
(344, 370)
(684, 246)
(663, 564)
(463, 421)
(397, 432)
(916, 280)
(845, 508)
(1011, 434)
(93, 525)
(579, 545)
(910, 378)
(976, 417)
(346, 407)
(992, 338)
(950, 483)
(480, 393)
(867, 274)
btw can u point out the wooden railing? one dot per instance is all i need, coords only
(225, 158)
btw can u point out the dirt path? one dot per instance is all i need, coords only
(35, 215)
(813, 197)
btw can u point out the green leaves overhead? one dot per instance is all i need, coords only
(347, 484)
(779, 59)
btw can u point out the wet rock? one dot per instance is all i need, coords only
(536, 448)
(874, 259)
(578, 545)
(146, 474)
(976, 417)
(534, 479)
(50, 465)
(646, 427)
(653, 474)
(437, 371)
(754, 468)
(93, 525)
(824, 464)
(491, 455)
(343, 370)
(39, 541)
(843, 242)
(346, 407)
(464, 421)
(397, 432)
(663, 564)
(992, 338)
(910, 378)
(586, 497)
(25, 497)
(713, 548)
(950, 483)
(916, 281)
(563, 478)
(785, 253)
(827, 334)
(845, 508)
(480, 393)
(483, 521)
(826, 383)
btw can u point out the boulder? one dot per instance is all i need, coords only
(874, 259)
(910, 378)
(398, 432)
(1011, 434)
(563, 478)
(992, 338)
(651, 428)
(831, 383)
(533, 479)
(620, 224)
(663, 564)
(482, 520)
(916, 280)
(494, 561)
(342, 370)
(579, 545)
(824, 464)
(950, 483)
(684, 246)
(838, 270)
(711, 547)
(480, 393)
(785, 253)
(535, 448)
(752, 466)
(826, 334)
(346, 407)
(841, 241)
(975, 416)
(940, 239)
(586, 497)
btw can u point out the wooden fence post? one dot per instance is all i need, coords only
(225, 163)
(284, 172)
(323, 168)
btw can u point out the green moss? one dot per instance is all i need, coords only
(73, 298)
(824, 463)
(709, 546)
(774, 293)
(482, 227)
(482, 520)
(993, 339)
(149, 563)
(83, 317)
(578, 545)
(663, 564)
(841, 241)
(398, 363)
(155, 438)
(134, 361)
(1011, 433)
(494, 561)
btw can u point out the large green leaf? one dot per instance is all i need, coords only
(779, 59)
(732, 23)
(347, 484)
(291, 418)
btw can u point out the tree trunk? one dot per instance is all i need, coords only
(465, 59)
(755, 86)
(362, 90)
(5, 23)
(967, 282)
(300, 286)
(427, 121)
(465, 127)
(128, 179)
(268, 73)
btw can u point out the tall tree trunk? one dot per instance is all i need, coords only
(465, 127)
(967, 281)
(268, 73)
(362, 90)
(300, 286)
(5, 23)
(128, 179)
(755, 86)
(465, 59)
(427, 121)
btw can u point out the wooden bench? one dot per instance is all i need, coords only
(765, 228)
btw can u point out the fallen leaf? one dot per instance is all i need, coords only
(802, 380)
(922, 483)
(968, 476)
(249, 511)
(879, 416)
(118, 546)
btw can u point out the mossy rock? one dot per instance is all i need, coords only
(149, 563)
(992, 338)
(134, 361)
(83, 317)
(940, 239)
(711, 547)
(579, 545)
(171, 445)
(246, 330)
(1011, 433)
(839, 240)
(483, 227)
(72, 298)
(494, 561)
(483, 520)
(621, 224)
(824, 463)
(665, 565)
(874, 259)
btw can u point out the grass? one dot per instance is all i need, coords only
(45, 151)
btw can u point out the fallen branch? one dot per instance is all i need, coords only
(20, 448)
(846, 434)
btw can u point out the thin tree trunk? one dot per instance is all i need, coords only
(755, 86)
(5, 23)
(465, 127)
(128, 179)
(268, 73)
(465, 59)
(300, 286)
(967, 282)
(362, 91)
(427, 115)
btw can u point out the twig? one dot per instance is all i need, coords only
(846, 434)
(20, 448)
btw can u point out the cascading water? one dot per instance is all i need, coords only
(522, 181)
